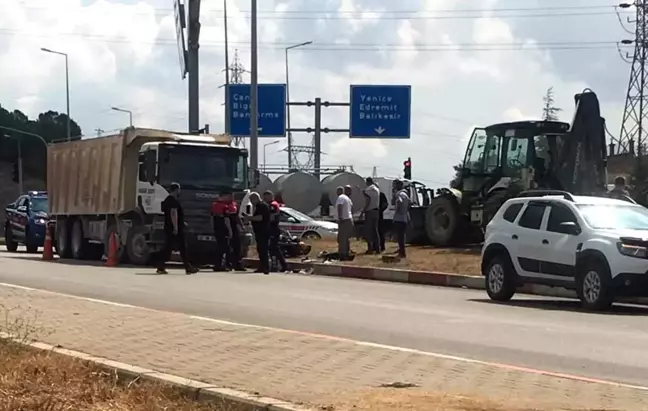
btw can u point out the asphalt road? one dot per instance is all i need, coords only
(547, 334)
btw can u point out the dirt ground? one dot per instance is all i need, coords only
(420, 258)
(34, 380)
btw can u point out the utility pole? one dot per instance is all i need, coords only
(635, 125)
(235, 76)
(227, 70)
(193, 36)
(315, 151)
(99, 131)
(254, 103)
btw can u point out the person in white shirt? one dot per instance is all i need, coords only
(344, 207)
(401, 215)
(371, 213)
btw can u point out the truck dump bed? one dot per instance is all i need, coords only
(99, 175)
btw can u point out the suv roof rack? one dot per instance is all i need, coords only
(542, 193)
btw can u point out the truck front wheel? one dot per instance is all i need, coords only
(63, 239)
(139, 252)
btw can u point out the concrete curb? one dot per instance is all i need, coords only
(424, 278)
(200, 391)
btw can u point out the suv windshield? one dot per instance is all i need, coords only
(39, 204)
(203, 168)
(628, 217)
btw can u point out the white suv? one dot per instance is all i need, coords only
(596, 246)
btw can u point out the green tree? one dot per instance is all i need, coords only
(454, 183)
(550, 111)
(51, 125)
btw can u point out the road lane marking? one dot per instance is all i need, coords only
(502, 366)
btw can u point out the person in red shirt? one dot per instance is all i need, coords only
(222, 230)
(234, 257)
(274, 249)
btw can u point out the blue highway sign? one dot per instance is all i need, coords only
(378, 111)
(272, 110)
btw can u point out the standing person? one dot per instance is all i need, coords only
(275, 231)
(620, 190)
(261, 226)
(371, 212)
(384, 204)
(401, 216)
(222, 230)
(173, 231)
(343, 206)
(234, 255)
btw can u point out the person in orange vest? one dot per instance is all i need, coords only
(275, 232)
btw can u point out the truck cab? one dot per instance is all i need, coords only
(203, 170)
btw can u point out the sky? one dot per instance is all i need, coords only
(470, 63)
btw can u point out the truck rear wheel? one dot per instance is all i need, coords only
(442, 221)
(63, 239)
(78, 243)
(137, 246)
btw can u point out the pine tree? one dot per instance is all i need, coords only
(550, 111)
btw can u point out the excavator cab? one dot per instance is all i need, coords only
(505, 159)
(520, 153)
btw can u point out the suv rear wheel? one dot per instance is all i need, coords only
(500, 278)
(594, 285)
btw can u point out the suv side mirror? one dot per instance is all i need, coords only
(570, 227)
(22, 209)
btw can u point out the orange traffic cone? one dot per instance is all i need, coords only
(111, 261)
(48, 252)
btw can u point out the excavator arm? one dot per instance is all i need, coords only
(581, 154)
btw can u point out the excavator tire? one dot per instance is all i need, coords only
(442, 221)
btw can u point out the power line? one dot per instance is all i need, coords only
(520, 46)
(370, 11)
(402, 15)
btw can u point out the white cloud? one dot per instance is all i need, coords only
(124, 54)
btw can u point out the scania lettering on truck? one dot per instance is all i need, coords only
(116, 184)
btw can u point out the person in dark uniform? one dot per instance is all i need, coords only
(234, 256)
(222, 230)
(173, 231)
(275, 231)
(261, 226)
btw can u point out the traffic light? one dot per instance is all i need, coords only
(16, 173)
(407, 169)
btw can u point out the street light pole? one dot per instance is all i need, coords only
(290, 165)
(67, 89)
(130, 113)
(265, 146)
(254, 103)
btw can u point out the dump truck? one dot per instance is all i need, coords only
(116, 184)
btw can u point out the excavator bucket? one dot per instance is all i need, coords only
(582, 152)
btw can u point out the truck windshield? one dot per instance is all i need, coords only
(203, 168)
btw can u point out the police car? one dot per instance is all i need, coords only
(302, 226)
(26, 221)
